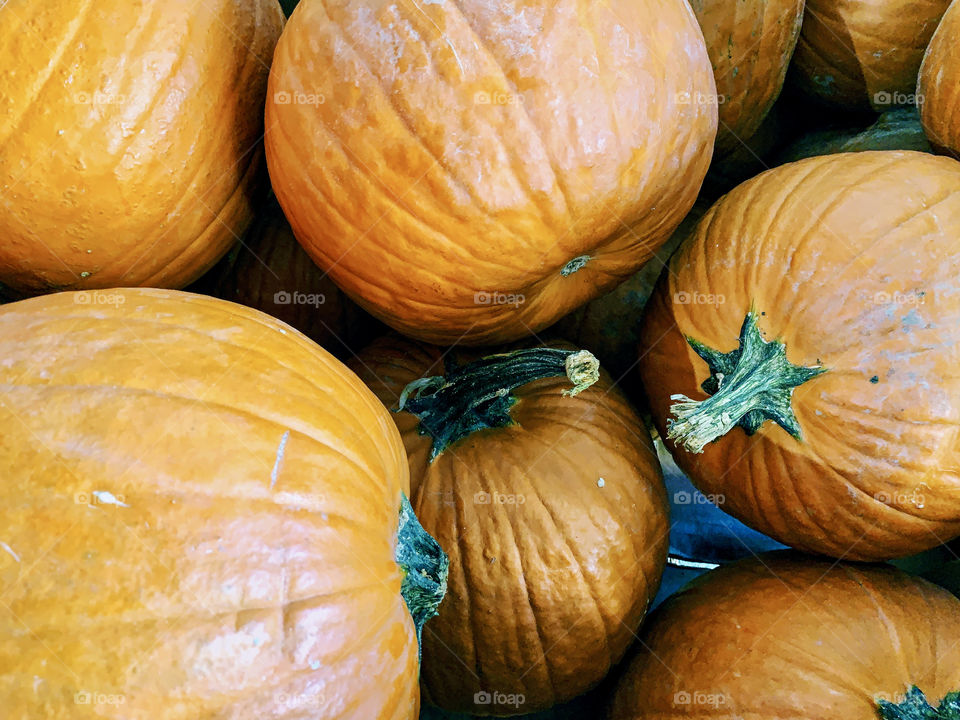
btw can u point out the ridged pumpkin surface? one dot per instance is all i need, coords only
(129, 137)
(851, 261)
(863, 54)
(939, 84)
(200, 514)
(556, 528)
(784, 636)
(750, 46)
(441, 158)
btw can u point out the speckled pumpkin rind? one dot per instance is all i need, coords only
(939, 85)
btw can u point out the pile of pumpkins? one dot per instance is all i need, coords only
(450, 266)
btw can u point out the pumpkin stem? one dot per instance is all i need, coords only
(916, 707)
(424, 565)
(747, 386)
(477, 395)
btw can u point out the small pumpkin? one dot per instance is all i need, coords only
(550, 503)
(269, 271)
(939, 85)
(784, 636)
(204, 516)
(863, 54)
(470, 172)
(801, 354)
(750, 46)
(129, 138)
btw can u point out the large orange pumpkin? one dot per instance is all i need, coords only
(270, 271)
(472, 171)
(864, 54)
(750, 46)
(939, 84)
(551, 507)
(784, 636)
(814, 321)
(204, 517)
(129, 137)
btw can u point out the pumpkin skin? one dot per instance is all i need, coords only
(835, 254)
(129, 138)
(750, 46)
(566, 574)
(786, 636)
(249, 571)
(939, 85)
(460, 154)
(267, 269)
(863, 54)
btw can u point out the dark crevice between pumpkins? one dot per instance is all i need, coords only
(915, 706)
(479, 395)
(747, 386)
(424, 565)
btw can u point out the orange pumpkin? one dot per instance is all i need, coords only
(785, 636)
(939, 85)
(802, 354)
(750, 46)
(204, 516)
(551, 507)
(129, 137)
(269, 271)
(864, 54)
(473, 171)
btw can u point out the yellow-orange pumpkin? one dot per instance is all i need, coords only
(551, 507)
(783, 636)
(814, 312)
(472, 171)
(864, 54)
(939, 84)
(129, 137)
(201, 519)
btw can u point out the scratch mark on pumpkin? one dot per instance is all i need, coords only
(10, 551)
(442, 34)
(276, 463)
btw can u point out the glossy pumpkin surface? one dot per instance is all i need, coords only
(848, 264)
(939, 85)
(783, 636)
(556, 528)
(864, 54)
(129, 137)
(472, 171)
(201, 518)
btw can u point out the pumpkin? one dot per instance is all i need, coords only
(269, 271)
(898, 129)
(863, 54)
(802, 353)
(204, 516)
(750, 46)
(939, 85)
(471, 172)
(129, 138)
(548, 500)
(783, 636)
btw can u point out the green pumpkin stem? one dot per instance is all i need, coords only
(916, 707)
(424, 565)
(747, 386)
(478, 395)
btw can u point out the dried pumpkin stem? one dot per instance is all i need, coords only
(916, 707)
(747, 387)
(424, 565)
(478, 395)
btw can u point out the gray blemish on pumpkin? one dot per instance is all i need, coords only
(276, 463)
(911, 320)
(105, 497)
(10, 551)
(571, 267)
